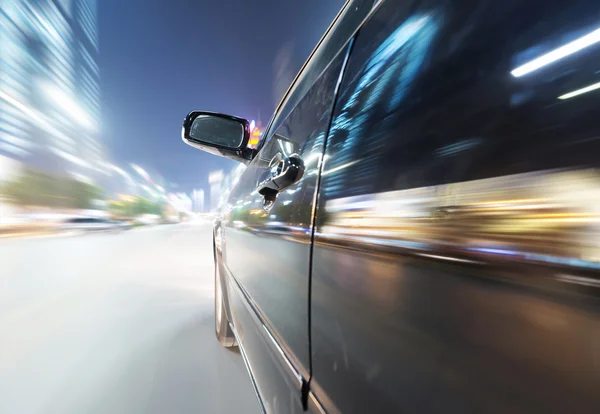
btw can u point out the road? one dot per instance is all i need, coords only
(115, 323)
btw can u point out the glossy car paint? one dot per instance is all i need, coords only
(456, 259)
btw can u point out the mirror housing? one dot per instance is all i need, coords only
(218, 134)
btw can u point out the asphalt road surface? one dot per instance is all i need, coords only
(115, 323)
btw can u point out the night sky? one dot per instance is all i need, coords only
(159, 59)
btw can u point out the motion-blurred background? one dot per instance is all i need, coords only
(92, 98)
(92, 95)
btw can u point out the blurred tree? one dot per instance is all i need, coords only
(37, 188)
(145, 206)
(81, 195)
(134, 207)
(118, 208)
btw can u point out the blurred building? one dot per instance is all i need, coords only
(215, 179)
(230, 180)
(9, 169)
(198, 201)
(49, 86)
(180, 201)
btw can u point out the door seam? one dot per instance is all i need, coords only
(314, 208)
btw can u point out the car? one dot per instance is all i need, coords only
(122, 224)
(417, 230)
(93, 224)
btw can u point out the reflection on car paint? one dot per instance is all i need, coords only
(393, 65)
(550, 217)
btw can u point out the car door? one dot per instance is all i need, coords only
(267, 244)
(456, 255)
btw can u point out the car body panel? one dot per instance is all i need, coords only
(276, 385)
(456, 256)
(267, 250)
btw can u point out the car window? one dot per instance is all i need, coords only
(341, 31)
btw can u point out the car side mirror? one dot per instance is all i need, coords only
(218, 134)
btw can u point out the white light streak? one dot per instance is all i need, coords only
(557, 54)
(70, 157)
(341, 167)
(580, 91)
(313, 157)
(140, 171)
(448, 258)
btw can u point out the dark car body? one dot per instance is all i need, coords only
(438, 250)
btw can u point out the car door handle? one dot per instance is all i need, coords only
(282, 173)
